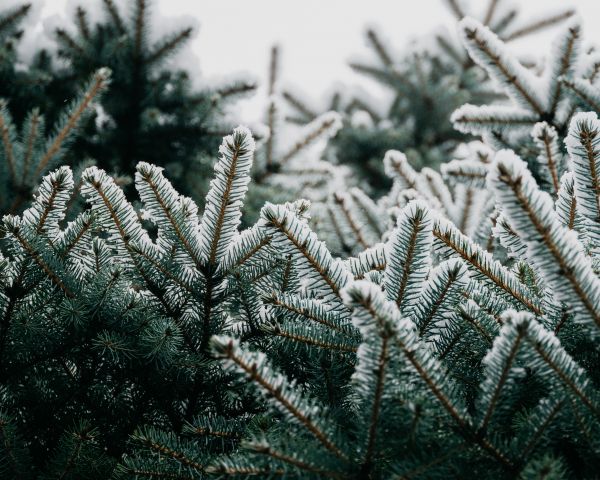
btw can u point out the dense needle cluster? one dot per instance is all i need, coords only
(447, 328)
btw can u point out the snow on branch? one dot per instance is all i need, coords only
(551, 247)
(222, 211)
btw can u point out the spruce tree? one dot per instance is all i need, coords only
(428, 82)
(151, 112)
(446, 329)
(25, 87)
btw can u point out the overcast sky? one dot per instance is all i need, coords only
(316, 36)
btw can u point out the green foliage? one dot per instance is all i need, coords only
(448, 329)
(28, 154)
(27, 88)
(151, 112)
(427, 83)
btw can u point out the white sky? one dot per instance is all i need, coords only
(316, 36)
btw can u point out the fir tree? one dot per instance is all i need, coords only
(29, 153)
(26, 88)
(446, 329)
(151, 113)
(428, 83)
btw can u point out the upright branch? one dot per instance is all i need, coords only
(72, 119)
(113, 12)
(407, 255)
(539, 25)
(583, 144)
(10, 18)
(552, 248)
(278, 391)
(222, 211)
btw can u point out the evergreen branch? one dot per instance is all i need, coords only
(509, 238)
(358, 104)
(168, 46)
(50, 203)
(440, 294)
(296, 239)
(266, 449)
(82, 23)
(489, 52)
(159, 447)
(341, 199)
(546, 139)
(489, 14)
(465, 314)
(539, 25)
(370, 212)
(478, 120)
(371, 301)
(12, 17)
(582, 423)
(456, 9)
(273, 69)
(245, 470)
(583, 144)
(547, 346)
(8, 136)
(392, 76)
(153, 474)
(66, 39)
(277, 390)
(139, 27)
(380, 50)
(99, 82)
(373, 357)
(405, 177)
(504, 21)
(237, 88)
(563, 59)
(15, 228)
(498, 363)
(34, 124)
(248, 245)
(367, 297)
(584, 89)
(114, 15)
(216, 426)
(397, 167)
(167, 206)
(301, 335)
(116, 215)
(337, 229)
(271, 124)
(549, 411)
(450, 50)
(482, 263)
(371, 259)
(78, 440)
(438, 188)
(224, 199)
(465, 172)
(324, 126)
(466, 210)
(566, 203)
(415, 472)
(306, 308)
(407, 255)
(12, 454)
(299, 106)
(551, 247)
(162, 269)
